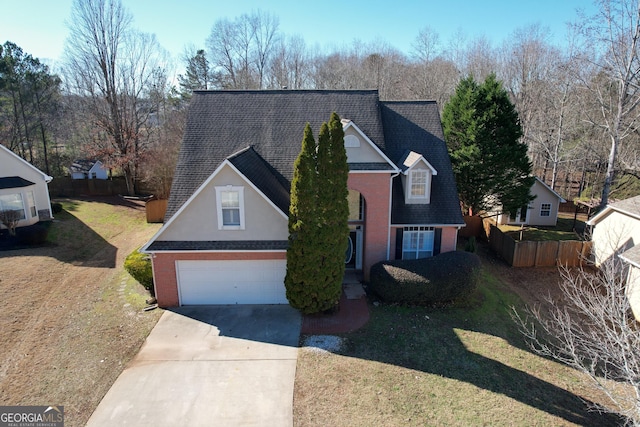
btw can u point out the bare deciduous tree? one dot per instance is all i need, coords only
(10, 218)
(111, 67)
(241, 50)
(592, 329)
(610, 68)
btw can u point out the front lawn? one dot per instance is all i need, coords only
(71, 318)
(443, 366)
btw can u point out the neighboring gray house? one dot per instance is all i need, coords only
(88, 169)
(225, 234)
(23, 187)
(541, 211)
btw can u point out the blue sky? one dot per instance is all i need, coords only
(39, 26)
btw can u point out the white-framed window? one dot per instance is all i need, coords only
(545, 209)
(230, 207)
(31, 202)
(418, 184)
(12, 202)
(417, 242)
(351, 141)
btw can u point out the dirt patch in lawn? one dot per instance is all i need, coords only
(70, 317)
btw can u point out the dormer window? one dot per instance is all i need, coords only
(417, 176)
(418, 184)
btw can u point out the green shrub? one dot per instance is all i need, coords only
(138, 265)
(56, 207)
(470, 246)
(442, 278)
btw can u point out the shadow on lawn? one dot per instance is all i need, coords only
(465, 344)
(391, 337)
(69, 240)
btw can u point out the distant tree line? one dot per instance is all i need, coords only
(115, 98)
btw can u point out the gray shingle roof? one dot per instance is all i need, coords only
(263, 176)
(630, 206)
(218, 245)
(415, 126)
(222, 124)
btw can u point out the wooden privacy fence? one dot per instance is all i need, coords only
(569, 253)
(156, 209)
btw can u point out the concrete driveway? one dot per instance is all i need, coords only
(210, 366)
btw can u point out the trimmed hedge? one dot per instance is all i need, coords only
(138, 265)
(442, 278)
(56, 207)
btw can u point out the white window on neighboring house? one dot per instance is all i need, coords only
(545, 209)
(418, 184)
(230, 207)
(417, 242)
(31, 201)
(12, 202)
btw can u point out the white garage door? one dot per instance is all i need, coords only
(231, 282)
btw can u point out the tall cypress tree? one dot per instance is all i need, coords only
(302, 253)
(318, 221)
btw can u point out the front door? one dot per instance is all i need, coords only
(353, 256)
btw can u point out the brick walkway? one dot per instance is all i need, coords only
(352, 315)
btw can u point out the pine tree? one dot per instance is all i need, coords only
(483, 133)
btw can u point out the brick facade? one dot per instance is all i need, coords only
(375, 189)
(164, 269)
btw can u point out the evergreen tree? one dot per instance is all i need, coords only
(302, 253)
(318, 215)
(198, 75)
(483, 133)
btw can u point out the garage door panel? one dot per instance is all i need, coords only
(231, 282)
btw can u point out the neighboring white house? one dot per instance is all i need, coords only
(88, 169)
(616, 233)
(23, 187)
(543, 210)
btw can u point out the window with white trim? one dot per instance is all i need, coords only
(230, 207)
(12, 202)
(417, 242)
(545, 209)
(418, 184)
(351, 141)
(31, 201)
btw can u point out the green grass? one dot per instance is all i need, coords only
(461, 365)
(562, 231)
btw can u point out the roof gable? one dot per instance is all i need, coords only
(630, 207)
(8, 155)
(411, 159)
(549, 189)
(226, 163)
(348, 124)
